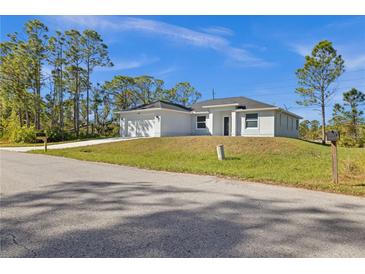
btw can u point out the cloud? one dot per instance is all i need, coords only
(355, 62)
(354, 57)
(166, 71)
(253, 46)
(171, 32)
(301, 49)
(218, 30)
(130, 64)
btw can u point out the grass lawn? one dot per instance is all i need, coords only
(281, 161)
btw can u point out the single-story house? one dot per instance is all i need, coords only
(235, 116)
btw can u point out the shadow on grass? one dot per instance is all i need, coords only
(142, 219)
(316, 143)
(232, 158)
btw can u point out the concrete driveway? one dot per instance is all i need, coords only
(67, 145)
(56, 207)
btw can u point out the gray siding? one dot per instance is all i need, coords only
(285, 125)
(265, 127)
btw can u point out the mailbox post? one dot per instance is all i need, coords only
(42, 136)
(333, 136)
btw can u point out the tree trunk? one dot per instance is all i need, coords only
(27, 118)
(354, 122)
(61, 93)
(77, 103)
(323, 124)
(96, 119)
(35, 108)
(38, 97)
(61, 105)
(87, 97)
(75, 125)
(53, 107)
(20, 118)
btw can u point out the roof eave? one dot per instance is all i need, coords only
(290, 113)
(150, 109)
(256, 109)
(221, 105)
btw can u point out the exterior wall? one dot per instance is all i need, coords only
(285, 125)
(170, 123)
(202, 131)
(153, 121)
(265, 125)
(214, 122)
(233, 129)
(175, 123)
(218, 122)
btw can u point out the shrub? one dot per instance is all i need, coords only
(56, 135)
(347, 141)
(23, 135)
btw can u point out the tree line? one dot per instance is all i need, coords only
(46, 85)
(315, 79)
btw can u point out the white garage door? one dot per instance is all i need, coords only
(141, 127)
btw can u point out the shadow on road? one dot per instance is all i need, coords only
(141, 219)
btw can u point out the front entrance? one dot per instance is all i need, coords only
(226, 126)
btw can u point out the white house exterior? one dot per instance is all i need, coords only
(236, 116)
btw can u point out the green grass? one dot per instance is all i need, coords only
(271, 160)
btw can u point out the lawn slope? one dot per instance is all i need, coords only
(271, 160)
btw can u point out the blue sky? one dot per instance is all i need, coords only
(253, 56)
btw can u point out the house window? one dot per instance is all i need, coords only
(201, 122)
(252, 120)
(297, 124)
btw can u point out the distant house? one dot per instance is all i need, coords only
(235, 116)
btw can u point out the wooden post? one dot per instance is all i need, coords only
(334, 161)
(42, 137)
(45, 144)
(333, 136)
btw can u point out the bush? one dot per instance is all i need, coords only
(23, 135)
(57, 135)
(347, 141)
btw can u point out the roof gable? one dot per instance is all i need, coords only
(238, 102)
(242, 102)
(162, 105)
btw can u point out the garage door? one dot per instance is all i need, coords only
(141, 127)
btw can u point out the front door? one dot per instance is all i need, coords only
(226, 126)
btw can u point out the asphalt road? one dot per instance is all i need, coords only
(56, 207)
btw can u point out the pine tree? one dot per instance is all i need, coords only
(320, 70)
(95, 54)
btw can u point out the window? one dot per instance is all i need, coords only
(251, 120)
(201, 122)
(297, 124)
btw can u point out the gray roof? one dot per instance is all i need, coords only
(243, 102)
(162, 104)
